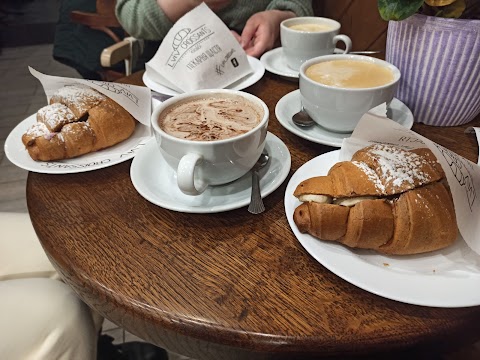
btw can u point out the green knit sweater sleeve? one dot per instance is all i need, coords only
(299, 7)
(143, 19)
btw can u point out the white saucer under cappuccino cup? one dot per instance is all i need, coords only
(202, 163)
(337, 108)
(304, 38)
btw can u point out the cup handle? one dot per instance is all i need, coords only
(346, 40)
(185, 175)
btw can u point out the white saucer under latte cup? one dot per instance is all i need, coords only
(304, 38)
(200, 163)
(338, 105)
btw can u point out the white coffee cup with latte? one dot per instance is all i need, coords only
(210, 137)
(337, 90)
(304, 38)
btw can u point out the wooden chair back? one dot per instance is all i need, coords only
(104, 20)
(360, 20)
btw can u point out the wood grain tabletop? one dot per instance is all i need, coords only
(229, 285)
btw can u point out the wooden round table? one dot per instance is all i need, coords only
(232, 284)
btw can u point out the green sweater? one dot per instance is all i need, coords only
(144, 19)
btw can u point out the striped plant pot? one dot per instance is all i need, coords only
(439, 60)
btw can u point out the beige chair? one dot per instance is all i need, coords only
(42, 318)
(127, 50)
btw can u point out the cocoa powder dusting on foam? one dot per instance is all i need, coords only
(210, 119)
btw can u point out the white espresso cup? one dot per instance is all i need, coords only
(304, 38)
(338, 107)
(202, 163)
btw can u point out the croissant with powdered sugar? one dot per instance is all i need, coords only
(386, 198)
(78, 120)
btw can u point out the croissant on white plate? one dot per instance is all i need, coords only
(386, 198)
(78, 120)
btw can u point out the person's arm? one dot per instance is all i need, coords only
(143, 19)
(299, 7)
(175, 9)
(152, 19)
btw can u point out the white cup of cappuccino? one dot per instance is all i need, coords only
(304, 38)
(337, 90)
(210, 137)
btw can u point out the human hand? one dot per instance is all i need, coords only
(262, 30)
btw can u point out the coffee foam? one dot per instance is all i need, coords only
(311, 27)
(349, 74)
(209, 119)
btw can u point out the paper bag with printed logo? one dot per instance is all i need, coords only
(199, 52)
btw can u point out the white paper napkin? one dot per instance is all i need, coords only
(476, 131)
(199, 52)
(463, 176)
(137, 100)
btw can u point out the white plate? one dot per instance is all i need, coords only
(275, 62)
(290, 104)
(250, 79)
(445, 278)
(157, 182)
(18, 155)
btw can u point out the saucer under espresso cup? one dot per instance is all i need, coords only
(337, 90)
(307, 37)
(290, 104)
(210, 137)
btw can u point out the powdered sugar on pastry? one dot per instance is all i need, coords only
(399, 166)
(38, 129)
(371, 174)
(397, 170)
(54, 116)
(78, 99)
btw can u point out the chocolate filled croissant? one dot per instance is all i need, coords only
(78, 120)
(386, 199)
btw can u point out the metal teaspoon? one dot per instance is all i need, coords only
(302, 119)
(256, 204)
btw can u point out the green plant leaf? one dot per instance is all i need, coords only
(439, 2)
(454, 10)
(398, 9)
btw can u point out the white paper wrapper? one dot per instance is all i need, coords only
(476, 131)
(463, 175)
(137, 100)
(199, 52)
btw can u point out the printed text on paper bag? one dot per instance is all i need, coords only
(460, 170)
(187, 40)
